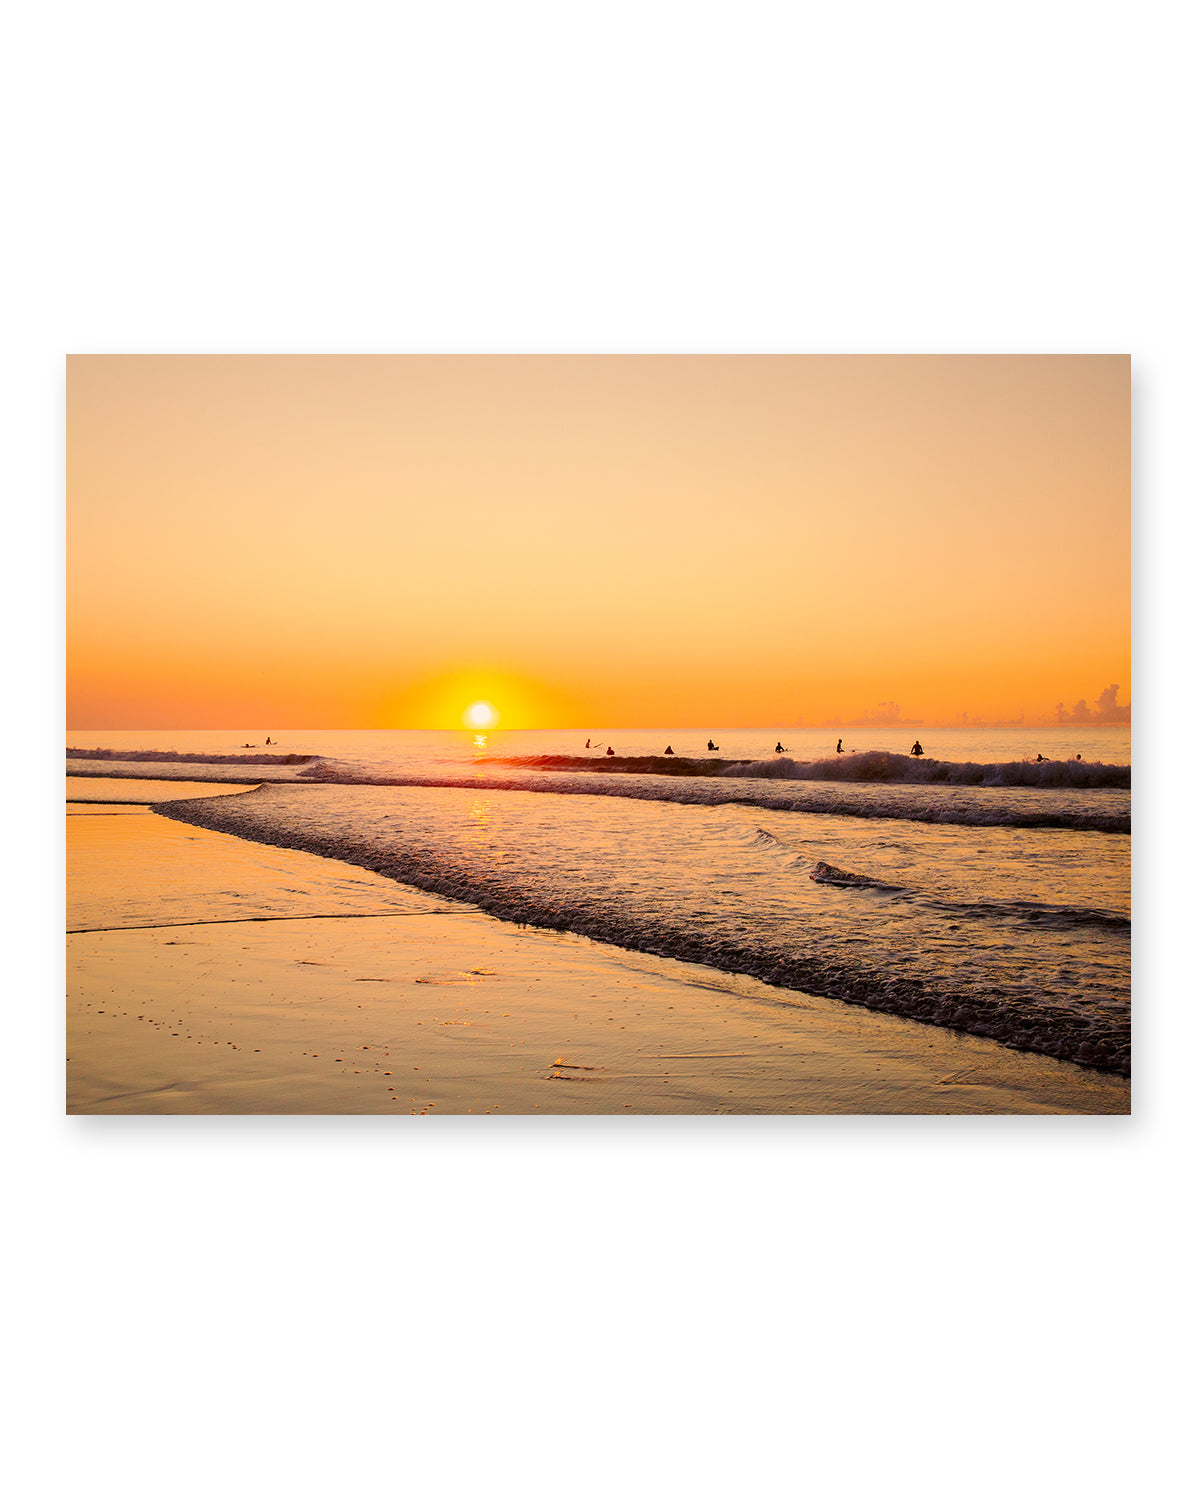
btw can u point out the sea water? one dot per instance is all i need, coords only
(975, 887)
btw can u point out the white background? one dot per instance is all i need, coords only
(822, 1307)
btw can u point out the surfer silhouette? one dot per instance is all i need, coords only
(587, 744)
(711, 746)
(1041, 756)
(780, 749)
(916, 749)
(609, 751)
(839, 748)
(668, 751)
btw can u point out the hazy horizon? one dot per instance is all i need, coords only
(584, 725)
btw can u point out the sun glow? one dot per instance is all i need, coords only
(481, 715)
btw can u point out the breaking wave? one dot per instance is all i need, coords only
(1081, 796)
(865, 766)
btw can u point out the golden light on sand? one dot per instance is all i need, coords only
(481, 715)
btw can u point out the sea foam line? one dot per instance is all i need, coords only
(719, 792)
(192, 757)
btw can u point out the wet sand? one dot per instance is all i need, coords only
(208, 974)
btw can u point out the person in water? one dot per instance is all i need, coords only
(711, 746)
(587, 744)
(1041, 756)
(609, 751)
(839, 748)
(916, 749)
(268, 739)
(780, 749)
(668, 751)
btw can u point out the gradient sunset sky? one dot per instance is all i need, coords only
(374, 541)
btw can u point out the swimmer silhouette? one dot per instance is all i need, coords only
(668, 751)
(1041, 756)
(916, 749)
(780, 749)
(839, 748)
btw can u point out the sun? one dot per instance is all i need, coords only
(480, 715)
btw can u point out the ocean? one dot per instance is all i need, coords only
(976, 887)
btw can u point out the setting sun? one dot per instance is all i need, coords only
(481, 715)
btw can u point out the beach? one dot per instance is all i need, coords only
(210, 974)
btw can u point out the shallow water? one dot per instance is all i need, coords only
(998, 909)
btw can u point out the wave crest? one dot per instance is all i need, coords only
(862, 766)
(886, 766)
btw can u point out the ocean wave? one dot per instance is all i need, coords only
(1088, 797)
(825, 874)
(193, 757)
(981, 810)
(881, 766)
(1037, 913)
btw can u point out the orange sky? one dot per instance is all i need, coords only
(373, 541)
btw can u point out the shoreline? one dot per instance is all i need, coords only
(1043, 1030)
(218, 975)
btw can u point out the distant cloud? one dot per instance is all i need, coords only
(883, 716)
(1108, 710)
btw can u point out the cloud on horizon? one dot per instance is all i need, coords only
(1108, 710)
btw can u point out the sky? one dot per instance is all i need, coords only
(377, 541)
